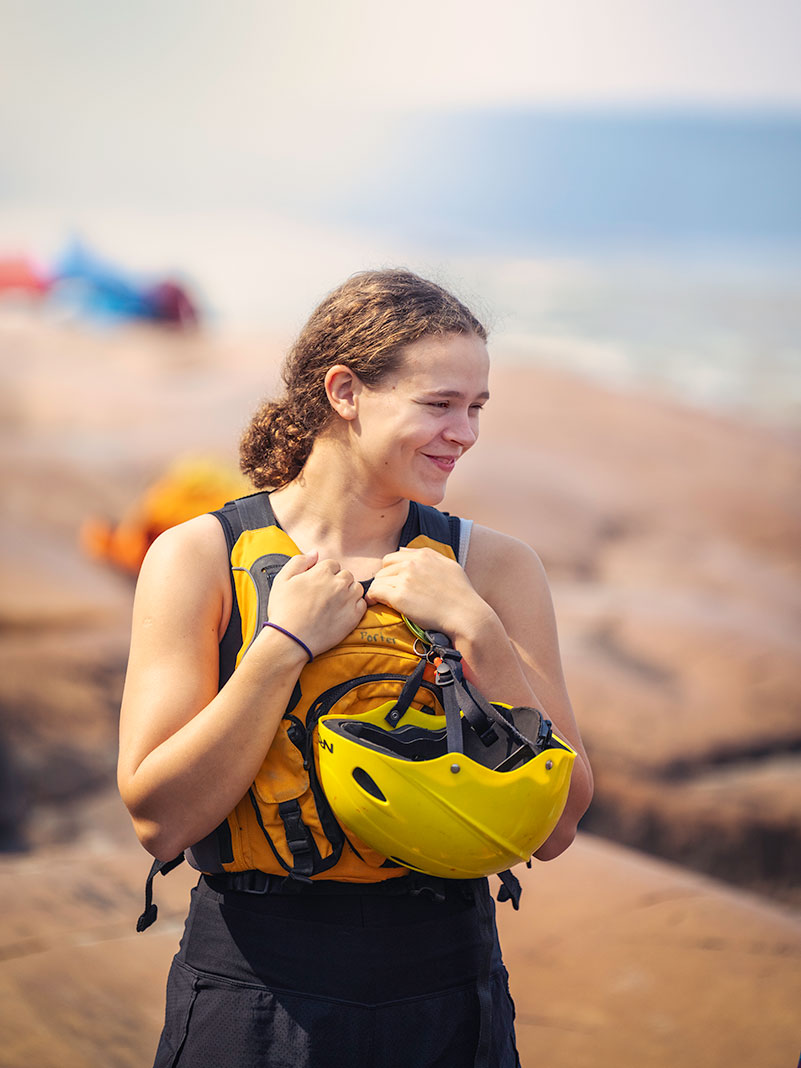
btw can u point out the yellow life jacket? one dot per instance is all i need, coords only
(284, 825)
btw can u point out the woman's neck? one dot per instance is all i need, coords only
(327, 509)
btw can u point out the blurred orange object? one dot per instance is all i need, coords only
(189, 488)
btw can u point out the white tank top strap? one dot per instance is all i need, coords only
(466, 529)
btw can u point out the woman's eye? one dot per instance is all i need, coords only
(447, 404)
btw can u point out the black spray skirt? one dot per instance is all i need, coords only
(318, 980)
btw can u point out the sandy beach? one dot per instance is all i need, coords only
(669, 932)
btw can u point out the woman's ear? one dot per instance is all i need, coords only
(342, 387)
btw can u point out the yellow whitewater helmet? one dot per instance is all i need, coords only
(460, 795)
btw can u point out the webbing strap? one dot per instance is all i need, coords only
(478, 711)
(254, 511)
(510, 889)
(298, 838)
(150, 915)
(453, 720)
(456, 691)
(407, 695)
(414, 884)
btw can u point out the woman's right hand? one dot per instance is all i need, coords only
(188, 749)
(316, 600)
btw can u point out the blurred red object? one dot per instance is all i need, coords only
(18, 273)
(171, 304)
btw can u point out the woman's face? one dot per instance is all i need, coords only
(416, 423)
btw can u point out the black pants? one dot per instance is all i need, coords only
(316, 980)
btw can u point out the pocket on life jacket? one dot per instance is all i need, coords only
(283, 776)
(286, 818)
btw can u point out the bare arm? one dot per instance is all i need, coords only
(510, 578)
(188, 753)
(500, 616)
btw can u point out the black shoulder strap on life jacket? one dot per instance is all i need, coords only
(235, 517)
(439, 526)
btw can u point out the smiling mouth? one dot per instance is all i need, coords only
(444, 463)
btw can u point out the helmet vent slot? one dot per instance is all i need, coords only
(367, 783)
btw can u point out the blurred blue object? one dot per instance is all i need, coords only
(95, 288)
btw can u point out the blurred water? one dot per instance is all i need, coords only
(720, 336)
(659, 250)
(682, 183)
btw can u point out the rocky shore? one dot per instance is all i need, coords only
(671, 540)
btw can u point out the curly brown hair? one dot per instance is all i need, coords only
(364, 324)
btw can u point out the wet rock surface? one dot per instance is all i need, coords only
(614, 959)
(670, 537)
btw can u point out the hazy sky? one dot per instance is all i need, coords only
(159, 128)
(418, 52)
(91, 84)
(171, 103)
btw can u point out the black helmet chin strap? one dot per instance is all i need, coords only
(482, 716)
(457, 695)
(450, 701)
(460, 698)
(407, 694)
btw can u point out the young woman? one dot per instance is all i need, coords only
(384, 390)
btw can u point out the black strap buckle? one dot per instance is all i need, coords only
(510, 889)
(298, 838)
(150, 915)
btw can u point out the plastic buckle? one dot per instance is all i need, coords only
(253, 882)
(444, 676)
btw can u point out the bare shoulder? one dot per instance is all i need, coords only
(181, 610)
(200, 539)
(186, 569)
(500, 562)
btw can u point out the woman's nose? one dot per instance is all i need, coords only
(463, 429)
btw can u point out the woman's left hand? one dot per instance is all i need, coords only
(432, 590)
